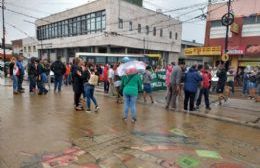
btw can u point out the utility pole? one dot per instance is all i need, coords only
(227, 28)
(3, 39)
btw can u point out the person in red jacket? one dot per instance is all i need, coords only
(105, 79)
(206, 78)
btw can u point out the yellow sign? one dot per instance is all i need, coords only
(154, 55)
(235, 28)
(225, 57)
(254, 64)
(203, 51)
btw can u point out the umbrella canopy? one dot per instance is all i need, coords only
(132, 67)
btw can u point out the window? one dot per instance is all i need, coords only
(139, 28)
(24, 49)
(98, 21)
(92, 22)
(170, 34)
(147, 29)
(251, 20)
(34, 48)
(161, 32)
(103, 20)
(176, 36)
(29, 49)
(120, 24)
(216, 23)
(130, 26)
(154, 31)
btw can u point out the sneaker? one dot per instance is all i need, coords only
(197, 107)
(15, 92)
(97, 108)
(124, 119)
(88, 111)
(208, 108)
(134, 120)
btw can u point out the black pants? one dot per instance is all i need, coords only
(203, 92)
(77, 96)
(106, 86)
(189, 98)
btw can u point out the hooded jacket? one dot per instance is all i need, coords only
(192, 80)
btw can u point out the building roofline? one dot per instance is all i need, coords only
(191, 43)
(96, 1)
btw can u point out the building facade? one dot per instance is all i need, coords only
(244, 34)
(192, 60)
(109, 26)
(17, 46)
(30, 47)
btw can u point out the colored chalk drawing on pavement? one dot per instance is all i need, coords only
(127, 151)
(208, 154)
(188, 162)
(179, 132)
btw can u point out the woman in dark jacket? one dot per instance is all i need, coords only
(77, 83)
(191, 82)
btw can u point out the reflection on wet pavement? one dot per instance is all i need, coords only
(45, 131)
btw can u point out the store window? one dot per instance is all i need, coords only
(216, 23)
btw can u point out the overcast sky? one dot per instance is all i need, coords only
(41, 8)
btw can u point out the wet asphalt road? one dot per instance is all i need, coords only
(45, 131)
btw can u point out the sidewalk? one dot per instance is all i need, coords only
(238, 111)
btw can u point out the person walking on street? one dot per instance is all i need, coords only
(105, 79)
(20, 75)
(222, 75)
(15, 73)
(111, 77)
(77, 82)
(191, 82)
(252, 84)
(48, 72)
(59, 70)
(175, 83)
(11, 66)
(131, 85)
(118, 86)
(67, 75)
(90, 80)
(32, 74)
(147, 83)
(206, 77)
(231, 81)
(42, 78)
(168, 78)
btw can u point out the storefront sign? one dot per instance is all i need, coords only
(253, 64)
(235, 52)
(203, 51)
(235, 28)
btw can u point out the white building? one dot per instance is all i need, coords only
(30, 47)
(110, 26)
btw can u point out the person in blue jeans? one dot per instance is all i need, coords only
(131, 85)
(15, 78)
(90, 81)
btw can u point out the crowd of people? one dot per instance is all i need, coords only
(193, 83)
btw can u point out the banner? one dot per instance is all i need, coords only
(158, 82)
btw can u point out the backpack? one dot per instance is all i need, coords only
(93, 80)
(205, 80)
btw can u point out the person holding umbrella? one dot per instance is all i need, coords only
(131, 85)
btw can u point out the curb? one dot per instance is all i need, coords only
(219, 118)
